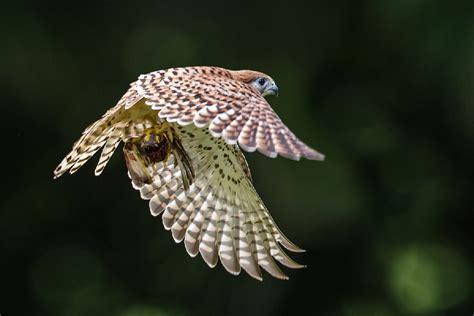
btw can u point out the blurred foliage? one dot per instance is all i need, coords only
(384, 88)
(424, 279)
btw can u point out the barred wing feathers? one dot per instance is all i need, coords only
(106, 132)
(203, 96)
(221, 216)
(210, 96)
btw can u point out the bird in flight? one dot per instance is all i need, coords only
(183, 130)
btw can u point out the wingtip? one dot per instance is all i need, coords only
(256, 277)
(299, 266)
(315, 156)
(299, 250)
(284, 278)
(57, 173)
(289, 245)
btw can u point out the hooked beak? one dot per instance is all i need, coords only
(273, 90)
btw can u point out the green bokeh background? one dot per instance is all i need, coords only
(384, 88)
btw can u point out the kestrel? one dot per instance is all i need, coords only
(183, 129)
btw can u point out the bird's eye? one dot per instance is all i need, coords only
(262, 81)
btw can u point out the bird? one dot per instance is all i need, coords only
(183, 131)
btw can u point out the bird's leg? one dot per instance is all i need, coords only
(155, 145)
(135, 164)
(142, 153)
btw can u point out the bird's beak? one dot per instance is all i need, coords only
(273, 90)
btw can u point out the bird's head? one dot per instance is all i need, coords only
(261, 82)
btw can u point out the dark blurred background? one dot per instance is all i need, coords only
(384, 88)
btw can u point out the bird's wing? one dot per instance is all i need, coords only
(220, 216)
(208, 96)
(106, 132)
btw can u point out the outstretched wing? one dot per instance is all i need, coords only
(106, 132)
(210, 96)
(220, 216)
(193, 95)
